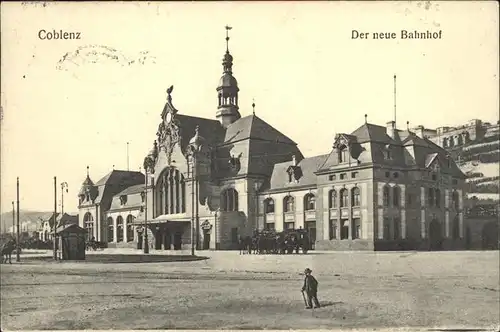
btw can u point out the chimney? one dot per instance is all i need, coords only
(294, 161)
(420, 131)
(391, 128)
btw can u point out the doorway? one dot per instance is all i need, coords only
(311, 229)
(140, 240)
(206, 239)
(167, 239)
(490, 236)
(177, 240)
(435, 235)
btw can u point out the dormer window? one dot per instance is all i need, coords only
(123, 199)
(388, 152)
(343, 154)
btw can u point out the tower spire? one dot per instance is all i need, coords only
(227, 91)
(253, 106)
(87, 171)
(227, 37)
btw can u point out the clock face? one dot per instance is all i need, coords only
(169, 117)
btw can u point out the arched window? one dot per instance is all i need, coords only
(309, 202)
(111, 228)
(456, 228)
(130, 228)
(332, 203)
(170, 192)
(88, 224)
(430, 199)
(344, 198)
(269, 205)
(455, 200)
(438, 198)
(119, 229)
(395, 196)
(229, 200)
(386, 195)
(289, 204)
(356, 199)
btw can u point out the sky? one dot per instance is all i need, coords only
(64, 110)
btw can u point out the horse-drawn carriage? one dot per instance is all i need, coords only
(272, 242)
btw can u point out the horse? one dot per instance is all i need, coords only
(7, 249)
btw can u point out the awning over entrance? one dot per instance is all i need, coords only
(139, 221)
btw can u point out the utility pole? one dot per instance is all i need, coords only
(13, 219)
(146, 242)
(18, 257)
(55, 218)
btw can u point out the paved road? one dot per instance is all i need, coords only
(229, 291)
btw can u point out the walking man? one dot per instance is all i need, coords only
(311, 289)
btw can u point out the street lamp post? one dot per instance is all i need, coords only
(64, 185)
(146, 242)
(18, 257)
(13, 219)
(256, 186)
(193, 201)
(55, 219)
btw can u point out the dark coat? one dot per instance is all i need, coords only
(310, 284)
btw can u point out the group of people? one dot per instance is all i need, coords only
(271, 242)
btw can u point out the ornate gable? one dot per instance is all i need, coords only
(343, 140)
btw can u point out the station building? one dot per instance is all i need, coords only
(377, 188)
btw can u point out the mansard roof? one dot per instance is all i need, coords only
(307, 177)
(135, 189)
(253, 127)
(118, 176)
(210, 129)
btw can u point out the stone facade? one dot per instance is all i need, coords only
(213, 180)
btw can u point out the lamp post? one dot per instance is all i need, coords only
(146, 242)
(18, 258)
(256, 187)
(55, 218)
(193, 201)
(64, 185)
(13, 219)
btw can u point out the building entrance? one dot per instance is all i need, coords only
(435, 235)
(206, 239)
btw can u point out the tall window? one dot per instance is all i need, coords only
(289, 204)
(387, 229)
(456, 228)
(355, 197)
(229, 200)
(333, 229)
(343, 154)
(455, 200)
(395, 196)
(438, 198)
(344, 231)
(88, 224)
(130, 228)
(386, 195)
(396, 228)
(344, 198)
(171, 192)
(332, 202)
(111, 228)
(309, 202)
(269, 205)
(357, 228)
(430, 198)
(119, 229)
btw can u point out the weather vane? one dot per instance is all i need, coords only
(227, 37)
